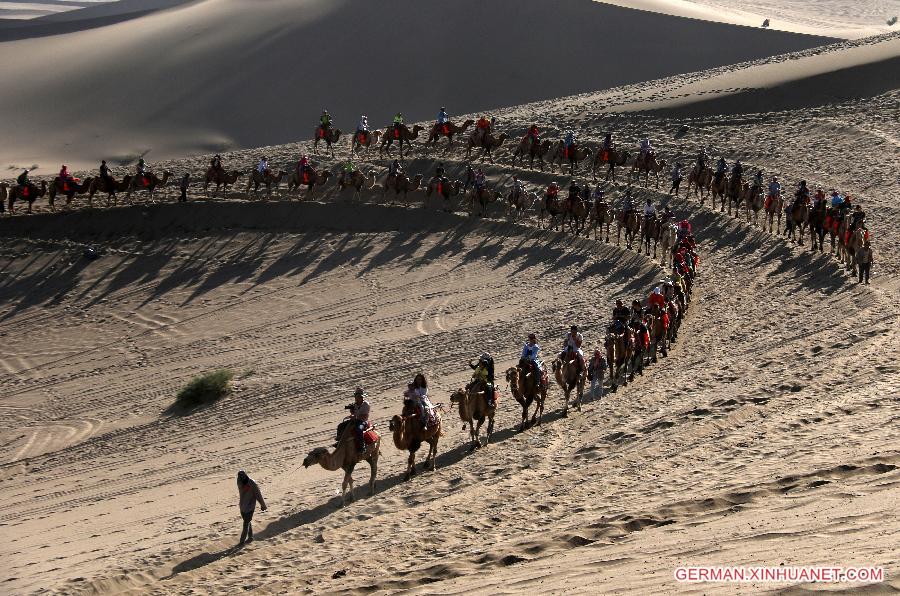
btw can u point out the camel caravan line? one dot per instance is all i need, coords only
(634, 339)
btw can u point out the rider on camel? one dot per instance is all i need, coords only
(553, 191)
(397, 124)
(737, 171)
(359, 413)
(141, 168)
(215, 163)
(530, 353)
(349, 168)
(395, 169)
(597, 195)
(657, 299)
(479, 180)
(721, 168)
(64, 176)
(774, 190)
(646, 148)
(532, 134)
(858, 218)
(104, 172)
(627, 205)
(620, 315)
(518, 187)
(637, 311)
(303, 167)
(325, 121)
(362, 127)
(482, 128)
(484, 374)
(263, 166)
(442, 119)
(758, 180)
(417, 391)
(701, 160)
(569, 141)
(649, 210)
(23, 180)
(572, 343)
(574, 194)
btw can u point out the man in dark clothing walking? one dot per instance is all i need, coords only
(864, 262)
(249, 495)
(185, 180)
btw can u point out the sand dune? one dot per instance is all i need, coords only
(271, 67)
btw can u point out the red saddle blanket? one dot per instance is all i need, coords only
(370, 436)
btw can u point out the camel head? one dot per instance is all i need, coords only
(396, 423)
(458, 396)
(512, 375)
(314, 457)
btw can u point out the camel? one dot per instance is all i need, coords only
(837, 228)
(68, 189)
(578, 210)
(310, 179)
(667, 238)
(444, 188)
(269, 179)
(487, 142)
(735, 194)
(613, 158)
(483, 197)
(650, 231)
(700, 181)
(329, 135)
(645, 166)
(774, 207)
(554, 207)
(448, 130)
(570, 376)
(632, 226)
(817, 217)
(149, 182)
(473, 405)
(401, 134)
(401, 183)
(356, 180)
(527, 388)
(797, 218)
(674, 321)
(618, 353)
(531, 149)
(753, 201)
(345, 457)
(221, 178)
(601, 216)
(719, 191)
(520, 201)
(853, 242)
(29, 193)
(364, 139)
(409, 436)
(573, 156)
(658, 332)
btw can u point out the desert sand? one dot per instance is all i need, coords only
(767, 436)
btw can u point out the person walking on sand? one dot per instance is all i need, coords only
(864, 261)
(185, 181)
(249, 495)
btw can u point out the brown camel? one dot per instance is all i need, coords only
(798, 219)
(577, 211)
(356, 180)
(700, 181)
(719, 191)
(269, 179)
(68, 189)
(528, 388)
(645, 166)
(601, 216)
(345, 457)
(570, 377)
(221, 178)
(483, 197)
(473, 406)
(401, 134)
(632, 226)
(520, 201)
(443, 187)
(650, 232)
(555, 208)
(574, 156)
(854, 241)
(658, 332)
(487, 142)
(401, 183)
(613, 158)
(448, 130)
(330, 135)
(667, 238)
(409, 436)
(619, 352)
(753, 201)
(109, 186)
(774, 207)
(531, 149)
(310, 179)
(29, 193)
(364, 139)
(149, 182)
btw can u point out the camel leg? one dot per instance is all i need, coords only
(410, 466)
(373, 465)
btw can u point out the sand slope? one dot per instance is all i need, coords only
(235, 73)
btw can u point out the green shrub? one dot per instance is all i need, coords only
(205, 389)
